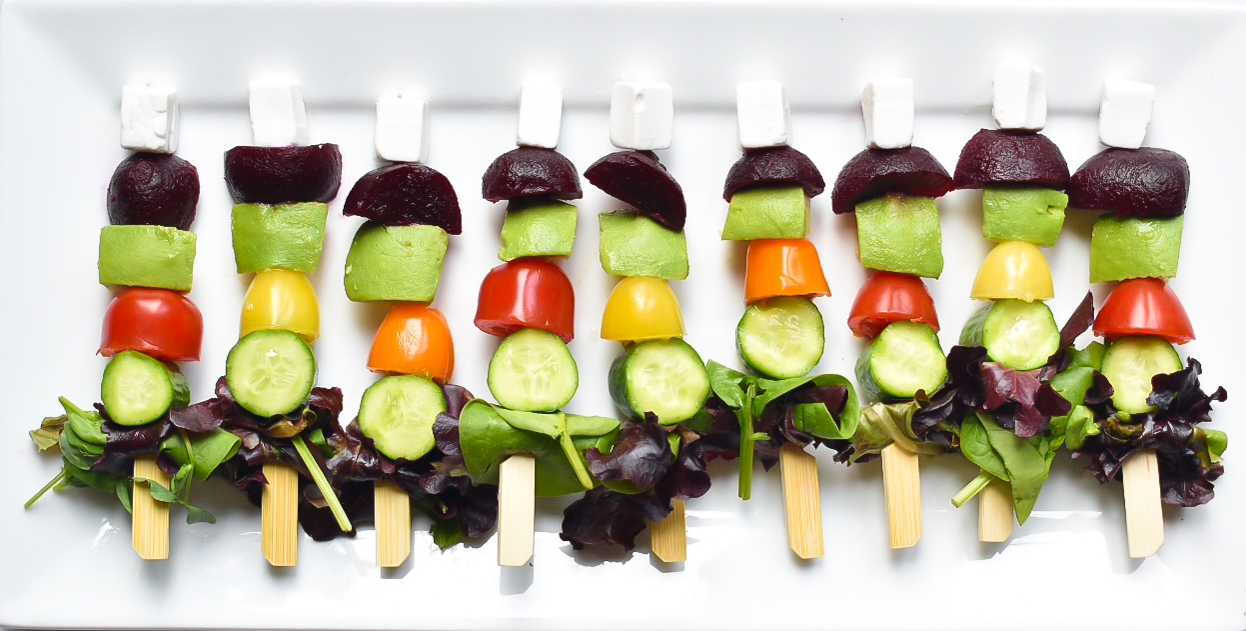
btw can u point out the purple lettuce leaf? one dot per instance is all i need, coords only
(640, 455)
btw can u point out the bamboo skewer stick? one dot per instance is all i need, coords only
(669, 537)
(995, 516)
(393, 524)
(802, 500)
(516, 510)
(279, 515)
(1144, 516)
(150, 524)
(902, 487)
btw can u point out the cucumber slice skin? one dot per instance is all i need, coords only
(131, 371)
(634, 396)
(799, 324)
(880, 381)
(251, 382)
(1019, 334)
(510, 372)
(1129, 364)
(397, 413)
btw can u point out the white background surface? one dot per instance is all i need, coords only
(68, 561)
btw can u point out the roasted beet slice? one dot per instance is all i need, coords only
(638, 178)
(528, 171)
(275, 175)
(404, 194)
(157, 189)
(1143, 182)
(1004, 156)
(773, 166)
(874, 172)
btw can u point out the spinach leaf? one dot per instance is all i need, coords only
(1024, 462)
(976, 446)
(726, 383)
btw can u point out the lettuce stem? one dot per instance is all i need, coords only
(972, 489)
(327, 491)
(60, 477)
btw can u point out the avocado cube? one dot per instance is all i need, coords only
(633, 244)
(899, 233)
(395, 263)
(147, 256)
(1134, 247)
(768, 212)
(1031, 214)
(278, 236)
(537, 228)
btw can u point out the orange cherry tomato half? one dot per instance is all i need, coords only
(888, 297)
(783, 267)
(414, 339)
(527, 293)
(156, 322)
(1144, 306)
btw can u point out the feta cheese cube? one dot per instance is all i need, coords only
(400, 123)
(641, 115)
(1125, 113)
(762, 114)
(540, 115)
(278, 118)
(149, 118)
(887, 105)
(1019, 97)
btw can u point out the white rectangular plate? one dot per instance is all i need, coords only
(68, 562)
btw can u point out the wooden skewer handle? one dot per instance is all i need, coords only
(150, 523)
(516, 510)
(902, 488)
(669, 537)
(279, 510)
(393, 524)
(803, 501)
(1144, 515)
(995, 515)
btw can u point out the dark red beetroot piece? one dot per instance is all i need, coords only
(999, 156)
(639, 179)
(529, 171)
(1143, 182)
(276, 175)
(773, 166)
(875, 172)
(155, 189)
(404, 194)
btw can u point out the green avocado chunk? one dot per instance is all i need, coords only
(539, 227)
(1031, 214)
(395, 263)
(632, 244)
(767, 212)
(278, 236)
(1134, 247)
(147, 256)
(900, 233)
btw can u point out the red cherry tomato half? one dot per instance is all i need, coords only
(527, 292)
(156, 322)
(888, 297)
(1144, 306)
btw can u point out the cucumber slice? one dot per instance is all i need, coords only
(397, 413)
(665, 377)
(138, 389)
(781, 338)
(1129, 364)
(905, 357)
(270, 372)
(1019, 334)
(532, 371)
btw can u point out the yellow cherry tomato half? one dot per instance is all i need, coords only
(281, 299)
(642, 308)
(1014, 269)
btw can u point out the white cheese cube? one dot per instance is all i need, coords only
(400, 124)
(1125, 113)
(641, 115)
(149, 118)
(540, 115)
(887, 105)
(762, 114)
(1019, 97)
(278, 118)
